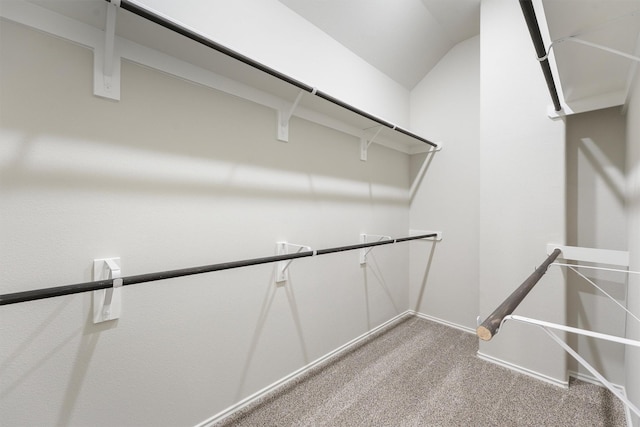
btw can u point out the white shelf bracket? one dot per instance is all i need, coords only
(366, 143)
(600, 256)
(285, 116)
(438, 147)
(106, 59)
(365, 251)
(282, 248)
(590, 44)
(107, 303)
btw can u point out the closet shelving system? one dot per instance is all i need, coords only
(147, 37)
(588, 52)
(268, 86)
(504, 311)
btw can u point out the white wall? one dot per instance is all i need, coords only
(596, 218)
(272, 34)
(632, 355)
(446, 104)
(522, 189)
(175, 175)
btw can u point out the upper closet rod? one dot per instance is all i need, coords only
(162, 275)
(144, 13)
(532, 22)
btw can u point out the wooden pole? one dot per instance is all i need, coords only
(490, 326)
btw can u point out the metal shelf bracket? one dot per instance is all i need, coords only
(365, 251)
(282, 248)
(366, 143)
(106, 59)
(107, 303)
(285, 116)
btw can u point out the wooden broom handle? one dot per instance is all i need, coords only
(489, 327)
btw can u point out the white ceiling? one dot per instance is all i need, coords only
(402, 38)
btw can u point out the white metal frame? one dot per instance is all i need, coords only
(282, 267)
(546, 326)
(603, 256)
(365, 251)
(107, 303)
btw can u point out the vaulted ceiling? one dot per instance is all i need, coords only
(406, 38)
(402, 38)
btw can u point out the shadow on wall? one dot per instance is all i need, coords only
(596, 218)
(372, 266)
(24, 347)
(88, 336)
(34, 161)
(595, 164)
(425, 277)
(417, 174)
(272, 289)
(86, 349)
(165, 135)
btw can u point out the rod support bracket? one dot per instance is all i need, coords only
(106, 59)
(438, 147)
(282, 267)
(284, 115)
(365, 142)
(365, 251)
(107, 303)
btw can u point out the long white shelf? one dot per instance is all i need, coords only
(144, 42)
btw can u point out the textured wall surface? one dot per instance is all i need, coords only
(632, 355)
(175, 175)
(596, 218)
(522, 189)
(446, 105)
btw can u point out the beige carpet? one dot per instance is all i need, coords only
(419, 373)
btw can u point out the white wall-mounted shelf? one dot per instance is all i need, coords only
(149, 44)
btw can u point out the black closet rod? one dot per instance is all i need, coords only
(57, 291)
(144, 13)
(534, 30)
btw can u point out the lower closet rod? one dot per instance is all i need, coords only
(56, 291)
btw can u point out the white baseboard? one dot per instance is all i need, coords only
(283, 381)
(593, 380)
(443, 322)
(523, 370)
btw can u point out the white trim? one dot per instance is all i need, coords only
(617, 270)
(601, 256)
(578, 331)
(627, 410)
(443, 322)
(292, 376)
(587, 378)
(523, 370)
